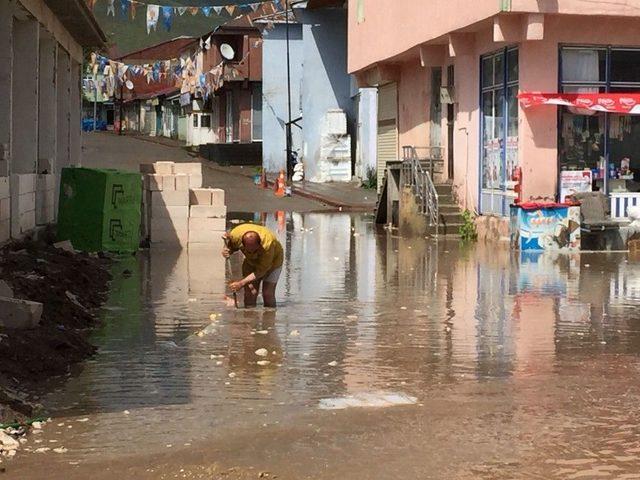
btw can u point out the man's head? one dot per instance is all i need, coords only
(251, 242)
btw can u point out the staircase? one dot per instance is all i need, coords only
(449, 213)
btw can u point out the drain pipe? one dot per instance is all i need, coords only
(466, 169)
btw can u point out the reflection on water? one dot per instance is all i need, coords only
(361, 310)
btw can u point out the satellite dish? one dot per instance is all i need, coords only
(129, 84)
(227, 52)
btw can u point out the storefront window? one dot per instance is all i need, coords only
(606, 144)
(499, 118)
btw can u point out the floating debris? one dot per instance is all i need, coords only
(332, 364)
(367, 400)
(262, 352)
(263, 362)
(294, 333)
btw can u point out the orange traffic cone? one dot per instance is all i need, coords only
(280, 185)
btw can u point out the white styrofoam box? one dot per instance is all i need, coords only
(189, 168)
(23, 183)
(215, 224)
(5, 209)
(335, 122)
(217, 197)
(5, 230)
(207, 211)
(45, 182)
(5, 192)
(45, 207)
(206, 236)
(153, 182)
(178, 198)
(169, 212)
(168, 183)
(26, 202)
(171, 237)
(163, 168)
(22, 223)
(195, 181)
(200, 196)
(182, 181)
(147, 168)
(169, 223)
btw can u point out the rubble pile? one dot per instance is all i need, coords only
(53, 293)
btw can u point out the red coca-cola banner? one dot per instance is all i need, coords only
(625, 103)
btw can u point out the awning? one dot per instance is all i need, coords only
(624, 103)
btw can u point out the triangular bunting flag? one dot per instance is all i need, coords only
(230, 9)
(218, 10)
(124, 8)
(167, 15)
(255, 6)
(111, 9)
(153, 12)
(132, 9)
(194, 10)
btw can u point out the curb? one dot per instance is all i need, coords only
(310, 195)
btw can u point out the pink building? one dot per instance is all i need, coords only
(449, 73)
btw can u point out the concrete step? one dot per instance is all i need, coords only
(450, 218)
(453, 228)
(448, 208)
(443, 189)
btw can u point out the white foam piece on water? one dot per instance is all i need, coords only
(367, 400)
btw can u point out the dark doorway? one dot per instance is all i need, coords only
(451, 121)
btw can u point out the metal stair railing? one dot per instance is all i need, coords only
(421, 183)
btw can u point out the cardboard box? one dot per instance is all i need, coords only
(200, 196)
(153, 182)
(178, 198)
(159, 211)
(182, 181)
(163, 168)
(207, 211)
(211, 224)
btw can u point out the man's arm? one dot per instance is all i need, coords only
(263, 267)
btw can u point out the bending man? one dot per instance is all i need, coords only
(263, 257)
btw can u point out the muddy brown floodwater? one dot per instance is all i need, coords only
(508, 366)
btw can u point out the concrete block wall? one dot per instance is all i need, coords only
(40, 109)
(23, 203)
(169, 197)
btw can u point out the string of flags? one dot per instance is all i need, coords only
(183, 72)
(166, 13)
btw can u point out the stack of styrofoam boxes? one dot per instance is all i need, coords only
(5, 210)
(207, 217)
(45, 199)
(166, 204)
(335, 148)
(23, 203)
(171, 190)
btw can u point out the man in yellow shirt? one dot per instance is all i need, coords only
(263, 257)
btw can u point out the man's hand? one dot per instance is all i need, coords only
(226, 251)
(235, 286)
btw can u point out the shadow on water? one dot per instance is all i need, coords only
(361, 310)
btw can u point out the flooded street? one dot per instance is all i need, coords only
(507, 365)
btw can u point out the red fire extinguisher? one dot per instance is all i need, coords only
(517, 188)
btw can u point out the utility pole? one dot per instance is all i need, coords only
(95, 101)
(121, 102)
(288, 127)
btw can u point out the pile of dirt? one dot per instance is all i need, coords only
(71, 286)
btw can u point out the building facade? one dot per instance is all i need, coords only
(450, 77)
(41, 55)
